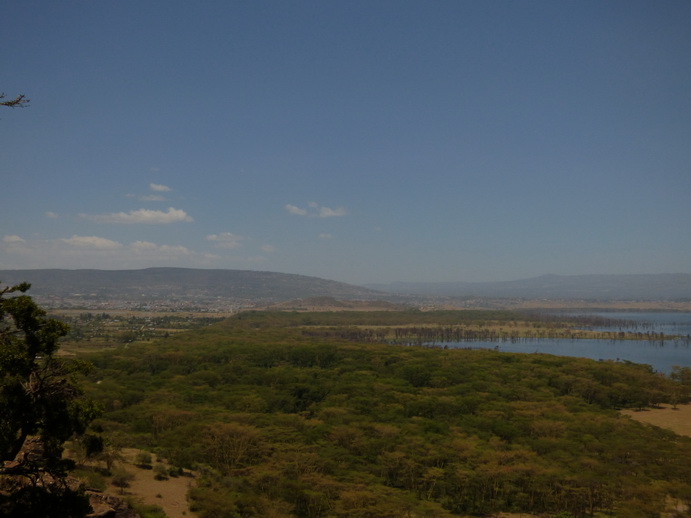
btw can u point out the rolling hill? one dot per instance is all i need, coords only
(188, 283)
(597, 287)
(181, 283)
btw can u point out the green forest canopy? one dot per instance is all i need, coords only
(282, 422)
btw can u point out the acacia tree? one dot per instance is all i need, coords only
(40, 408)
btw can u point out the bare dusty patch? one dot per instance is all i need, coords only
(170, 495)
(678, 420)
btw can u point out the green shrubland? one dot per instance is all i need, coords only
(280, 421)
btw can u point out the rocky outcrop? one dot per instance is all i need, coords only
(23, 476)
(108, 506)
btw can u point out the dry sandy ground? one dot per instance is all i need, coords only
(170, 495)
(678, 420)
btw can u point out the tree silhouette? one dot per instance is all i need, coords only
(40, 408)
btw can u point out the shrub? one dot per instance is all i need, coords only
(160, 472)
(143, 460)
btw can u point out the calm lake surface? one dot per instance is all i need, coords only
(661, 356)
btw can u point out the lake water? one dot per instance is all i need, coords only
(667, 323)
(661, 356)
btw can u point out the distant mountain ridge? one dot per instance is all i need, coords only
(181, 282)
(675, 286)
(190, 283)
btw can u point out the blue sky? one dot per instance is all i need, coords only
(357, 141)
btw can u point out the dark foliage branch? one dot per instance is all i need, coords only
(18, 102)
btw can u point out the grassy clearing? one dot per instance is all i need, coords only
(676, 419)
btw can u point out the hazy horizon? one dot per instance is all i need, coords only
(365, 284)
(362, 142)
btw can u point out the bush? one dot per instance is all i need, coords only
(148, 511)
(121, 478)
(92, 479)
(143, 460)
(161, 472)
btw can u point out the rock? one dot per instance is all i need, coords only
(107, 506)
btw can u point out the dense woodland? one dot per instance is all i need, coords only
(281, 416)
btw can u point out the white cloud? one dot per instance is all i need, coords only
(292, 209)
(268, 248)
(326, 212)
(93, 242)
(159, 188)
(16, 246)
(315, 210)
(226, 240)
(96, 252)
(325, 236)
(13, 239)
(154, 217)
(52, 215)
(147, 247)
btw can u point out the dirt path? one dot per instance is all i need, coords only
(678, 420)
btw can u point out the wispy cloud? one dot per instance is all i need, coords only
(325, 236)
(226, 240)
(92, 242)
(99, 252)
(326, 212)
(315, 210)
(52, 215)
(146, 216)
(157, 187)
(103, 253)
(292, 209)
(148, 248)
(13, 239)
